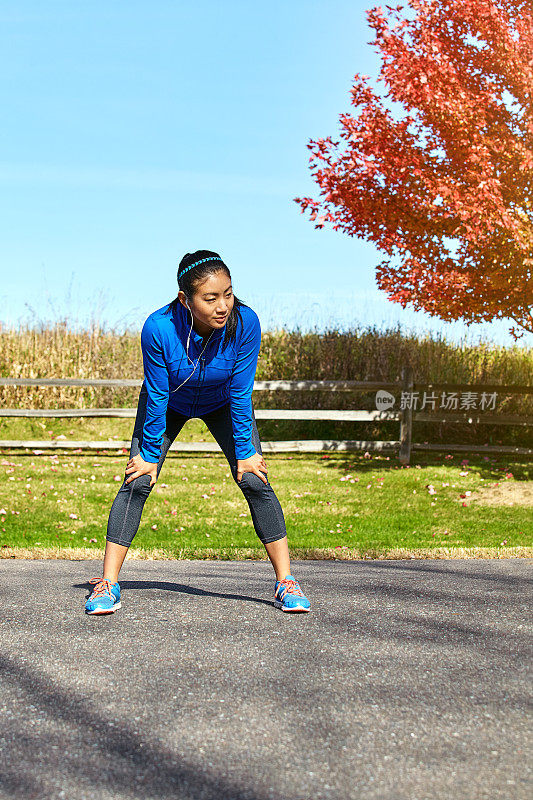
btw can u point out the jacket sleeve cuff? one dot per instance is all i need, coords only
(245, 453)
(146, 457)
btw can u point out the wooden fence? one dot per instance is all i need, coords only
(406, 417)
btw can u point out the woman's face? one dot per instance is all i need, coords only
(212, 301)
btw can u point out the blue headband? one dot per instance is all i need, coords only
(211, 258)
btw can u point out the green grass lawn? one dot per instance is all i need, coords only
(340, 505)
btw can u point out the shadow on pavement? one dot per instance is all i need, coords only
(109, 756)
(179, 587)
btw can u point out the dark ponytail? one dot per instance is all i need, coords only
(189, 278)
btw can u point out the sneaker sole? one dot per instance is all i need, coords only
(278, 604)
(104, 610)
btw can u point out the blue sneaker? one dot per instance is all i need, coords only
(105, 597)
(289, 597)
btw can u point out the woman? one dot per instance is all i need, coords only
(214, 371)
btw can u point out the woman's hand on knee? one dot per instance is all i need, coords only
(255, 464)
(138, 466)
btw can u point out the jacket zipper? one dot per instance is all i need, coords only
(197, 398)
(202, 366)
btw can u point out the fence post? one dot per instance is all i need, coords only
(406, 422)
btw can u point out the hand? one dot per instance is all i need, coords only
(138, 466)
(255, 464)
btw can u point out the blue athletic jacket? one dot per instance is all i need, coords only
(222, 375)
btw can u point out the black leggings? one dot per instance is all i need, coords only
(125, 515)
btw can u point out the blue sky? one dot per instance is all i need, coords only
(134, 132)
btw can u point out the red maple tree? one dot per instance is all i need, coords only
(444, 185)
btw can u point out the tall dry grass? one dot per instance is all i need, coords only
(57, 351)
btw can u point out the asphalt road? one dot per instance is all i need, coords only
(408, 679)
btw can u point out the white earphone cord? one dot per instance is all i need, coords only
(187, 353)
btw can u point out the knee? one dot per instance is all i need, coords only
(251, 483)
(138, 486)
